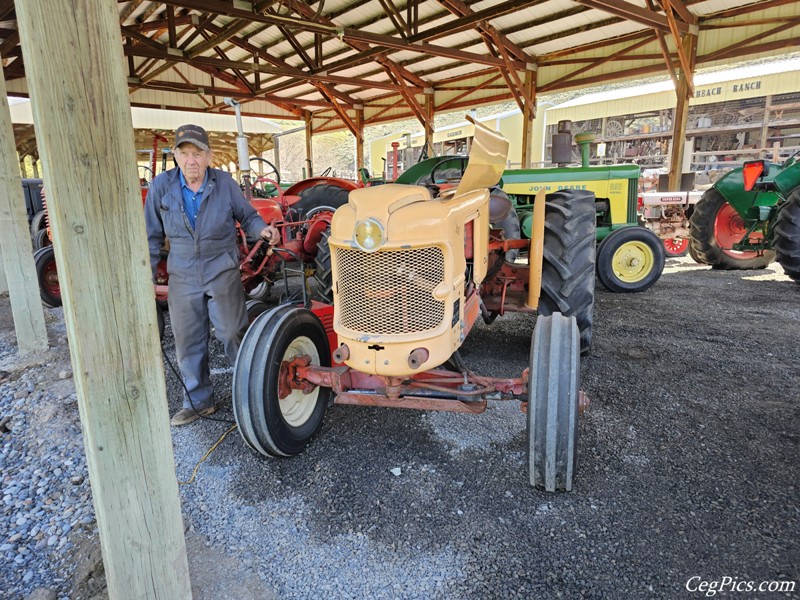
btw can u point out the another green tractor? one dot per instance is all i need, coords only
(630, 258)
(751, 217)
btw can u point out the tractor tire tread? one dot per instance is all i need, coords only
(568, 260)
(787, 236)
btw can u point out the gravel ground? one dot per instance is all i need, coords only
(688, 466)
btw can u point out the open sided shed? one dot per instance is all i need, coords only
(348, 63)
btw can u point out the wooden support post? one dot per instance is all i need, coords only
(83, 126)
(3, 283)
(309, 146)
(684, 93)
(18, 269)
(359, 137)
(527, 118)
(429, 115)
(276, 153)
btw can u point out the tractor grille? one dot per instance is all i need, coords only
(390, 293)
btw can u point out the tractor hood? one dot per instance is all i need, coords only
(487, 160)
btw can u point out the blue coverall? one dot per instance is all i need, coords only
(203, 267)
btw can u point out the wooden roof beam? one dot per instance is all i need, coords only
(344, 33)
(411, 101)
(483, 85)
(743, 10)
(687, 62)
(731, 50)
(634, 13)
(396, 18)
(625, 51)
(145, 52)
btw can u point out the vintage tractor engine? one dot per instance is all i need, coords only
(667, 213)
(400, 274)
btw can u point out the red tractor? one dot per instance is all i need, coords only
(303, 214)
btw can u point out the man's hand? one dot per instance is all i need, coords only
(271, 235)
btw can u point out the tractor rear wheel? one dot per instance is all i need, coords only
(715, 228)
(553, 403)
(269, 424)
(322, 194)
(568, 259)
(630, 260)
(787, 236)
(47, 274)
(323, 271)
(693, 254)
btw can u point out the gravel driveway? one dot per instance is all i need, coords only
(688, 467)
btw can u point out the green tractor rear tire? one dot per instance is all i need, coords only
(715, 227)
(787, 236)
(568, 260)
(630, 260)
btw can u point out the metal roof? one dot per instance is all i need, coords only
(329, 59)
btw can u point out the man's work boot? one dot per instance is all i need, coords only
(189, 415)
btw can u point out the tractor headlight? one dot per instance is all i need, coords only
(369, 235)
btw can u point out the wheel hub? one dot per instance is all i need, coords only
(633, 261)
(729, 229)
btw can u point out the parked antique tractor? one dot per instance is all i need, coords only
(750, 217)
(413, 268)
(302, 214)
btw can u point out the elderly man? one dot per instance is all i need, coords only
(197, 208)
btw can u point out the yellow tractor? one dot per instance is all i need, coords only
(414, 267)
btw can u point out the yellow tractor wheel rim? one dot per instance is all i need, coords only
(633, 261)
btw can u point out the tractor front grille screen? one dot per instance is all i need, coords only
(391, 292)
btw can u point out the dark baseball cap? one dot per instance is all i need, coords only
(192, 134)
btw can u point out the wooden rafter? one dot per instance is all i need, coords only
(411, 101)
(632, 12)
(625, 51)
(396, 18)
(687, 62)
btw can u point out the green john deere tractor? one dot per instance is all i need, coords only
(629, 258)
(750, 217)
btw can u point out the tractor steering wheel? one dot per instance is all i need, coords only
(446, 163)
(266, 178)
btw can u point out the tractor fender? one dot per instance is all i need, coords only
(319, 223)
(311, 182)
(269, 209)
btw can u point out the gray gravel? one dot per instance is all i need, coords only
(688, 465)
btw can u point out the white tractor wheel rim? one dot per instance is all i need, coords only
(297, 407)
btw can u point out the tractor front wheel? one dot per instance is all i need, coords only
(715, 228)
(630, 260)
(676, 247)
(787, 236)
(568, 259)
(553, 403)
(47, 274)
(269, 424)
(41, 240)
